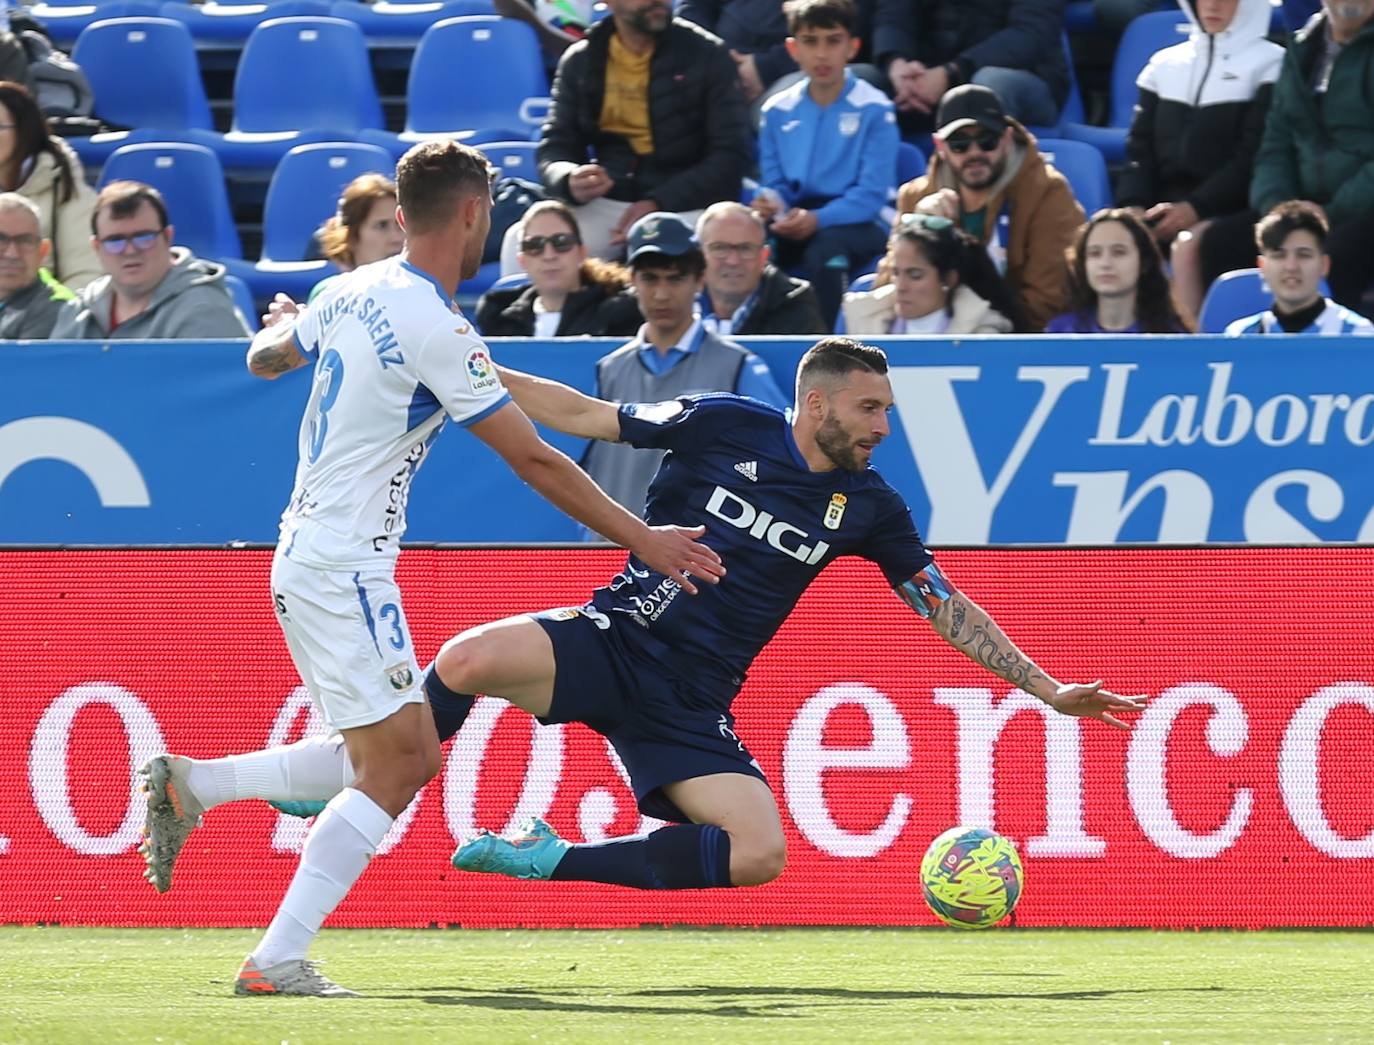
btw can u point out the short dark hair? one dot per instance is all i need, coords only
(1290, 216)
(691, 262)
(123, 198)
(820, 14)
(837, 357)
(433, 176)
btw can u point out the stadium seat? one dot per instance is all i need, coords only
(502, 54)
(65, 22)
(144, 74)
(229, 24)
(911, 163)
(387, 24)
(1143, 37)
(305, 190)
(1235, 295)
(513, 159)
(299, 73)
(1083, 165)
(191, 181)
(243, 299)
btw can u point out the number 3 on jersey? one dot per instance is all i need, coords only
(330, 379)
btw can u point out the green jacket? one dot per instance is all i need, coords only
(1320, 148)
(33, 311)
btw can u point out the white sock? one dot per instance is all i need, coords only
(336, 852)
(313, 768)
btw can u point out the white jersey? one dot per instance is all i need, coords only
(392, 355)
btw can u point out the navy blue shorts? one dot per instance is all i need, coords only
(650, 718)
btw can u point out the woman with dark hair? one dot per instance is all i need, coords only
(43, 168)
(363, 229)
(569, 293)
(941, 281)
(1117, 280)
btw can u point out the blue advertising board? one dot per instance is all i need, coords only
(994, 441)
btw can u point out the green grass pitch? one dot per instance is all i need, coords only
(656, 985)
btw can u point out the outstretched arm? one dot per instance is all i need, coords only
(561, 407)
(967, 627)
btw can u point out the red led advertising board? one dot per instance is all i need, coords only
(1242, 797)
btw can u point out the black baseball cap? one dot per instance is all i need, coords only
(969, 105)
(660, 232)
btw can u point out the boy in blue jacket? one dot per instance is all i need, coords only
(828, 156)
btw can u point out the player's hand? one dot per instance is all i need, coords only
(281, 310)
(675, 552)
(1092, 701)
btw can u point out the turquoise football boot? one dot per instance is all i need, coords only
(533, 854)
(305, 810)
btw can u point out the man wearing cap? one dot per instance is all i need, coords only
(929, 47)
(672, 355)
(988, 176)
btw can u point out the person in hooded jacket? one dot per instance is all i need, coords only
(150, 289)
(43, 168)
(1198, 124)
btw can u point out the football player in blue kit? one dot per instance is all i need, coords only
(655, 672)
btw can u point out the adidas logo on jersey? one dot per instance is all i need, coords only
(748, 469)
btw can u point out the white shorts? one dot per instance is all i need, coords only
(348, 637)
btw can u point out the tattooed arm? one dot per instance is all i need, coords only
(966, 626)
(273, 351)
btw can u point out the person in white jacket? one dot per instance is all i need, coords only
(43, 168)
(941, 282)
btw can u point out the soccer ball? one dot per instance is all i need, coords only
(567, 16)
(971, 877)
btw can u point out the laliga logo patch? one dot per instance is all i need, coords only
(401, 678)
(481, 373)
(834, 514)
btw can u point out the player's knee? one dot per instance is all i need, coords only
(755, 861)
(462, 663)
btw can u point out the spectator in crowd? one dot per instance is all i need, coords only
(929, 47)
(744, 294)
(1118, 281)
(673, 354)
(1318, 146)
(988, 176)
(1291, 240)
(30, 298)
(568, 294)
(364, 228)
(755, 31)
(43, 167)
(150, 289)
(943, 282)
(647, 115)
(1191, 147)
(828, 156)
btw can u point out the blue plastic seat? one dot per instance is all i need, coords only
(299, 80)
(388, 24)
(304, 192)
(65, 22)
(145, 75)
(1143, 37)
(1085, 168)
(243, 300)
(1235, 295)
(228, 25)
(191, 181)
(513, 159)
(501, 54)
(911, 163)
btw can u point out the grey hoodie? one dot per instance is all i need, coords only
(191, 301)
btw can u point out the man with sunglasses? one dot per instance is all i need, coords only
(989, 176)
(150, 289)
(30, 298)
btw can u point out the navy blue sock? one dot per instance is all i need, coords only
(685, 856)
(450, 709)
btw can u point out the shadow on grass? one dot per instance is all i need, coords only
(734, 1002)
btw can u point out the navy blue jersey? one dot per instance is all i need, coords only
(734, 466)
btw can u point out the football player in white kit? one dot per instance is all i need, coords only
(394, 359)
